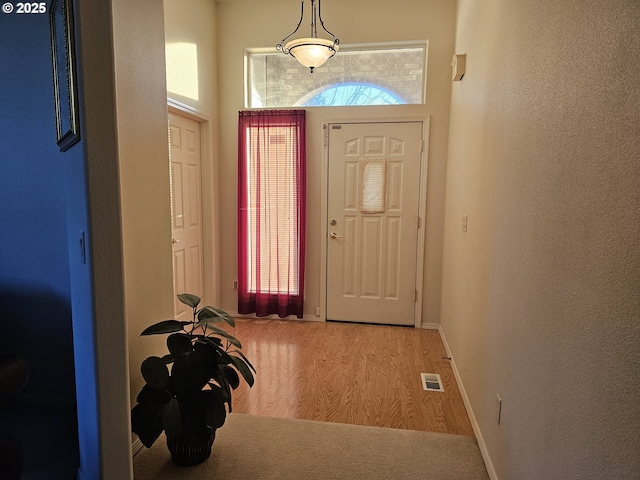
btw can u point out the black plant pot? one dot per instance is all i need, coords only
(188, 456)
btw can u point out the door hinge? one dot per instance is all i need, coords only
(418, 222)
(415, 296)
(326, 135)
(421, 145)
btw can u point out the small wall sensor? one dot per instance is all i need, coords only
(458, 65)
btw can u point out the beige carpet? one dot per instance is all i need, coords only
(249, 447)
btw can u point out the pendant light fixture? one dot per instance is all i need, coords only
(312, 51)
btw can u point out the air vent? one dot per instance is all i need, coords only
(432, 382)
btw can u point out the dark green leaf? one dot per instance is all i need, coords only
(188, 299)
(189, 374)
(195, 431)
(245, 359)
(223, 333)
(210, 314)
(155, 373)
(215, 412)
(232, 376)
(167, 359)
(243, 369)
(221, 393)
(166, 326)
(208, 349)
(214, 343)
(224, 385)
(215, 340)
(146, 422)
(172, 419)
(149, 395)
(210, 353)
(225, 359)
(178, 343)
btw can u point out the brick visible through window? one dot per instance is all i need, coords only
(396, 72)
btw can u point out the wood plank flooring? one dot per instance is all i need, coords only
(349, 373)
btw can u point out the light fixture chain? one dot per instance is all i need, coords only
(314, 30)
(280, 46)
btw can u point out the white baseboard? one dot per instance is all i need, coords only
(472, 418)
(309, 318)
(430, 326)
(305, 318)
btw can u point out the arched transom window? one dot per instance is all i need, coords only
(351, 94)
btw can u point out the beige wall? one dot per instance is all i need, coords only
(540, 296)
(193, 22)
(194, 85)
(254, 24)
(144, 175)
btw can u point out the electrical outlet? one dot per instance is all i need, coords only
(317, 311)
(498, 408)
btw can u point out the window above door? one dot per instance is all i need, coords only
(388, 74)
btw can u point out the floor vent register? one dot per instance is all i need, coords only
(432, 382)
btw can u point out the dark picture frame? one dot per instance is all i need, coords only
(64, 73)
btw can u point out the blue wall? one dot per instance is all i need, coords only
(35, 298)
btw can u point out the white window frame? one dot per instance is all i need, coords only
(424, 44)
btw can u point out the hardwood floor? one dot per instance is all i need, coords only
(349, 373)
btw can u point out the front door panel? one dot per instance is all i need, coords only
(374, 185)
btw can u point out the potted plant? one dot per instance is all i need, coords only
(190, 402)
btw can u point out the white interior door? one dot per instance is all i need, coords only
(372, 224)
(186, 210)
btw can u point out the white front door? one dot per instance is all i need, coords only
(186, 208)
(372, 221)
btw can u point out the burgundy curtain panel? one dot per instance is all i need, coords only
(271, 212)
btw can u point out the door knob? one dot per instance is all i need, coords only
(334, 235)
(174, 241)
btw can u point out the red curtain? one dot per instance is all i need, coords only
(271, 212)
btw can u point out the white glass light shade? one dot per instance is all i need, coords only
(312, 52)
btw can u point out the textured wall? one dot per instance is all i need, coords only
(144, 175)
(541, 298)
